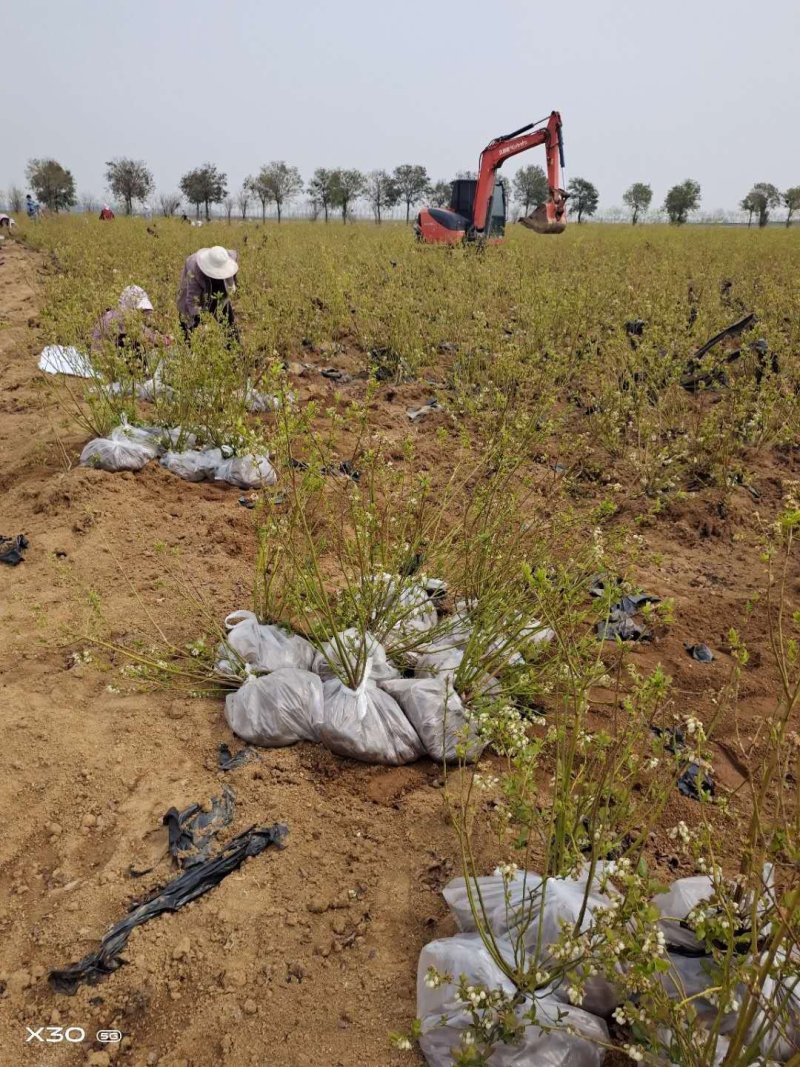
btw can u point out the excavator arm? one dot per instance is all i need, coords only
(547, 218)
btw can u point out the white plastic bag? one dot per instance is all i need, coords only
(533, 916)
(686, 894)
(366, 724)
(441, 658)
(263, 647)
(435, 711)
(490, 890)
(246, 472)
(363, 656)
(64, 359)
(680, 899)
(407, 602)
(444, 1017)
(146, 437)
(260, 402)
(277, 709)
(106, 454)
(457, 628)
(175, 435)
(152, 388)
(193, 465)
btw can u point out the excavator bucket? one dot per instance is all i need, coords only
(550, 217)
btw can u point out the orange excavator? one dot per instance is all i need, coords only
(477, 209)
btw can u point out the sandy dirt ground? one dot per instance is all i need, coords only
(305, 955)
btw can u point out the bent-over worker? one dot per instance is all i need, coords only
(7, 222)
(106, 213)
(207, 284)
(127, 328)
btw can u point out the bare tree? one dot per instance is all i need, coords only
(89, 203)
(261, 192)
(228, 204)
(169, 204)
(441, 194)
(244, 196)
(16, 198)
(748, 205)
(791, 201)
(381, 192)
(321, 189)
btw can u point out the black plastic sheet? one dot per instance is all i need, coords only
(12, 549)
(228, 761)
(192, 831)
(188, 886)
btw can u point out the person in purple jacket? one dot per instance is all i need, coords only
(126, 328)
(207, 284)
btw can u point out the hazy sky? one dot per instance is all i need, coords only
(708, 89)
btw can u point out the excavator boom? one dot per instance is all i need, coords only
(477, 209)
(553, 218)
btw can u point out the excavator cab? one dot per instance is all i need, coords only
(454, 223)
(462, 202)
(462, 196)
(496, 222)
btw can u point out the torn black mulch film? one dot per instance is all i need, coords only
(12, 549)
(227, 761)
(192, 831)
(188, 886)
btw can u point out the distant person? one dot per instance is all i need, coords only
(106, 213)
(207, 284)
(6, 222)
(127, 328)
(185, 218)
(32, 207)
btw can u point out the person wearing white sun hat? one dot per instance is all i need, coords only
(207, 284)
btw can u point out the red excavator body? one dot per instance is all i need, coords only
(478, 208)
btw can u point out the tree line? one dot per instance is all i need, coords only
(278, 184)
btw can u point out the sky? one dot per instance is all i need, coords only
(654, 92)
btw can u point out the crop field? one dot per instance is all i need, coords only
(592, 443)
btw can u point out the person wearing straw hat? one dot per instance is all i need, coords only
(207, 284)
(127, 328)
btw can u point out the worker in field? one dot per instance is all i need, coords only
(6, 222)
(207, 284)
(106, 213)
(127, 328)
(31, 207)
